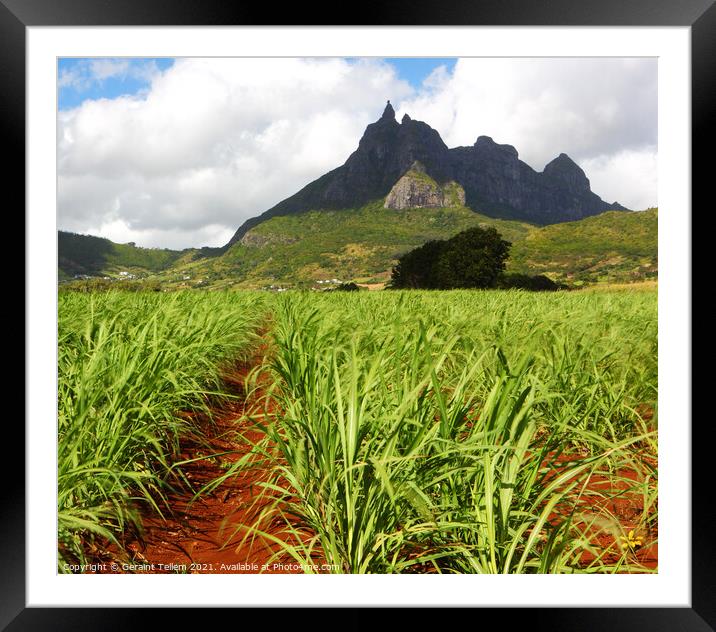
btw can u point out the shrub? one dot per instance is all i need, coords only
(537, 283)
(347, 287)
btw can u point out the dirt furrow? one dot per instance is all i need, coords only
(212, 532)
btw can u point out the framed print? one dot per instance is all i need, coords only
(197, 154)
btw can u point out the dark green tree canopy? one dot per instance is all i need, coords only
(415, 269)
(474, 258)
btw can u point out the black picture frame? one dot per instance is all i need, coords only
(700, 15)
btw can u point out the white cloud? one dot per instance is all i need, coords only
(628, 176)
(68, 78)
(213, 142)
(173, 238)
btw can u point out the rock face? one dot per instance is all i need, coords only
(416, 189)
(492, 178)
(498, 183)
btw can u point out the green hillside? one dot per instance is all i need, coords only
(360, 244)
(613, 246)
(86, 255)
(363, 244)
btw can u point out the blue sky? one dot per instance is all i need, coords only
(415, 70)
(97, 78)
(108, 78)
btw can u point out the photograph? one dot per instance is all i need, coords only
(357, 315)
(395, 315)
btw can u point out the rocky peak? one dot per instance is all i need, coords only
(485, 144)
(388, 113)
(385, 152)
(410, 163)
(567, 172)
(484, 141)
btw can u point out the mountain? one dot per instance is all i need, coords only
(494, 180)
(401, 187)
(360, 244)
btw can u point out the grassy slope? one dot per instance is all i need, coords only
(613, 246)
(363, 244)
(355, 244)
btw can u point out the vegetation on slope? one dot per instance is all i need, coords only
(357, 244)
(364, 244)
(613, 246)
(89, 255)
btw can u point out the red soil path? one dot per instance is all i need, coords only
(208, 533)
(609, 506)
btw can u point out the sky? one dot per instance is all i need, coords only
(178, 153)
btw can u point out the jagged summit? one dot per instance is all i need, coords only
(494, 180)
(563, 161)
(389, 112)
(564, 169)
(485, 143)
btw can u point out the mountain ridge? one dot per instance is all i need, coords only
(496, 182)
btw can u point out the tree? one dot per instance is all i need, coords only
(474, 258)
(415, 268)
